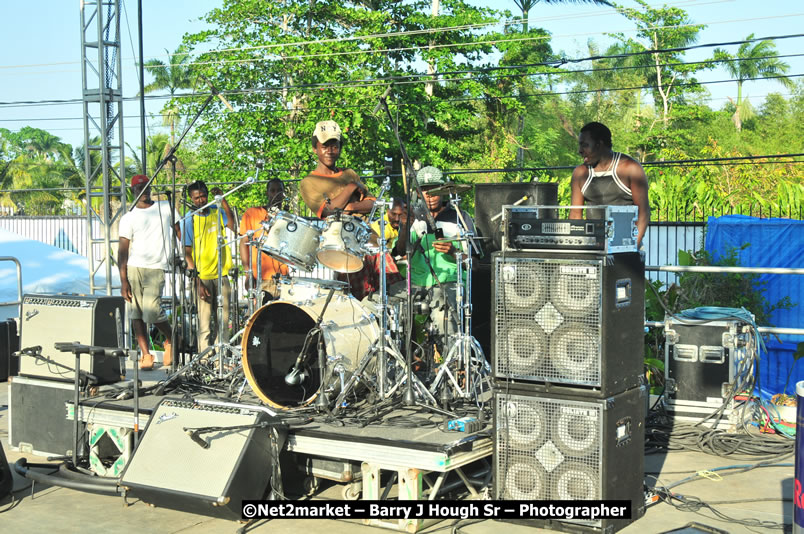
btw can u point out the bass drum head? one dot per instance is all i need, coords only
(273, 339)
(276, 333)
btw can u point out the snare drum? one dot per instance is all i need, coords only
(343, 243)
(275, 335)
(292, 239)
(300, 289)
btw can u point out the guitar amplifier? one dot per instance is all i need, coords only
(37, 419)
(227, 461)
(526, 229)
(86, 319)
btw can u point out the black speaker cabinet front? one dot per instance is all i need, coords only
(489, 200)
(171, 470)
(569, 320)
(87, 319)
(37, 420)
(9, 344)
(570, 448)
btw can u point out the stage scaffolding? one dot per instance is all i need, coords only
(103, 133)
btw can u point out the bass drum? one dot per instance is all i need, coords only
(276, 333)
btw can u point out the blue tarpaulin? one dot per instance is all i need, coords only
(772, 243)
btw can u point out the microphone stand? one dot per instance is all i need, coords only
(409, 398)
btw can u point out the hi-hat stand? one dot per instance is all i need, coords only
(465, 354)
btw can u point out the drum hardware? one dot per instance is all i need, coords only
(465, 355)
(385, 347)
(450, 188)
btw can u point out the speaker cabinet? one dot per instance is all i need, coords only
(87, 319)
(572, 320)
(9, 344)
(490, 198)
(37, 420)
(570, 448)
(171, 470)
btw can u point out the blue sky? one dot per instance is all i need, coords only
(41, 49)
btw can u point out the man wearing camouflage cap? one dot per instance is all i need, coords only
(433, 265)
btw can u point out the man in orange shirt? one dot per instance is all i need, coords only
(252, 220)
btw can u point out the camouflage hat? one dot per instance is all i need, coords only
(430, 176)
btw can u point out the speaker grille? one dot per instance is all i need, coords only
(547, 448)
(548, 320)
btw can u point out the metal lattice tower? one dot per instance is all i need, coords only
(103, 133)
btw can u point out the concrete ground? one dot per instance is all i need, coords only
(765, 496)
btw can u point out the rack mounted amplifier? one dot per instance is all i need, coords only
(526, 228)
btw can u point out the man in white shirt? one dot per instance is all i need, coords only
(144, 248)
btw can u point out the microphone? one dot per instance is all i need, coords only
(382, 99)
(204, 444)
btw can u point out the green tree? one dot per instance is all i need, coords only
(658, 31)
(753, 60)
(285, 66)
(172, 76)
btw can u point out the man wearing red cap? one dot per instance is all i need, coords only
(142, 257)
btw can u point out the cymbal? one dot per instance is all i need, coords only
(450, 188)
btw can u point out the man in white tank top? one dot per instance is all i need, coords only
(607, 177)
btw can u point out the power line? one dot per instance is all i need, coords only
(436, 29)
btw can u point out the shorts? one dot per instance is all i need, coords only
(146, 294)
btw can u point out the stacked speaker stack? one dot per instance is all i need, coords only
(37, 413)
(567, 329)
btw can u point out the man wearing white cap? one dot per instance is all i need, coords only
(330, 188)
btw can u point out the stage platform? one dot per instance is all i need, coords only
(760, 495)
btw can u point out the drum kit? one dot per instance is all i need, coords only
(315, 345)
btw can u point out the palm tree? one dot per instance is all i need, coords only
(527, 5)
(753, 60)
(174, 75)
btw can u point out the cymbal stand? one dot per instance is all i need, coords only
(384, 346)
(465, 352)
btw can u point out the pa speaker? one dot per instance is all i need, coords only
(570, 448)
(201, 459)
(86, 319)
(9, 344)
(569, 320)
(490, 198)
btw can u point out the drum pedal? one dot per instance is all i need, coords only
(464, 424)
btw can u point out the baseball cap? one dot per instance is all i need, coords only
(326, 130)
(430, 176)
(138, 179)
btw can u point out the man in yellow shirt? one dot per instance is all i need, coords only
(200, 235)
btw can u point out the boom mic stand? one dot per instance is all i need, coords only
(221, 244)
(411, 183)
(171, 156)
